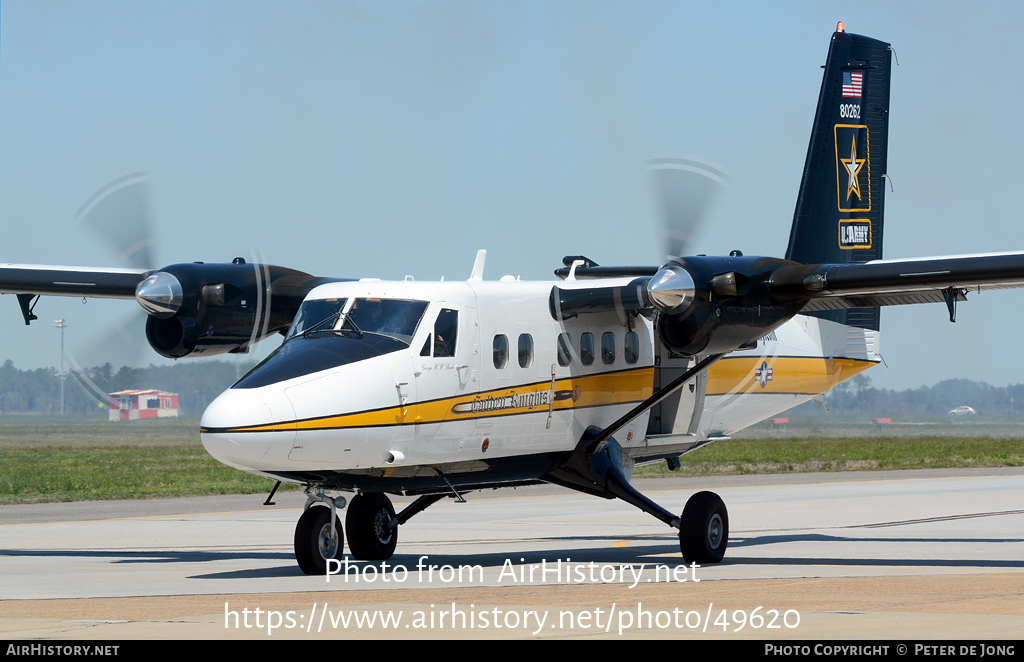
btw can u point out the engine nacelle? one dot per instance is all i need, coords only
(712, 305)
(198, 309)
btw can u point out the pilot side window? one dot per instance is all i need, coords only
(631, 348)
(446, 329)
(587, 348)
(564, 351)
(500, 352)
(525, 350)
(608, 348)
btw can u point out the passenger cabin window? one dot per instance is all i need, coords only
(564, 351)
(500, 352)
(525, 350)
(587, 348)
(631, 348)
(608, 348)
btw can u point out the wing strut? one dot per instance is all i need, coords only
(591, 444)
(596, 464)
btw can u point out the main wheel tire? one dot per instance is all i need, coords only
(704, 529)
(313, 544)
(369, 536)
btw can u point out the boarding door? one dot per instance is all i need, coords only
(447, 370)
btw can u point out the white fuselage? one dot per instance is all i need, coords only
(501, 402)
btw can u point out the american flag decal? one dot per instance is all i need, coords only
(853, 82)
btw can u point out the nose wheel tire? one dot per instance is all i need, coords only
(704, 529)
(370, 538)
(313, 542)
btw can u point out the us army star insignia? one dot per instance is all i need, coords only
(853, 167)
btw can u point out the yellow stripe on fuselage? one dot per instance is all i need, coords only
(805, 375)
(621, 387)
(789, 374)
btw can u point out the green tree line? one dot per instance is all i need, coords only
(38, 391)
(857, 396)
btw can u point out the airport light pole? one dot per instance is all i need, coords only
(61, 324)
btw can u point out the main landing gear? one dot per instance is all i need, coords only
(597, 466)
(704, 528)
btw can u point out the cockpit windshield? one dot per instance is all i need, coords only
(396, 318)
(328, 333)
(316, 313)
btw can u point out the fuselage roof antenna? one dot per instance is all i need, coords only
(478, 267)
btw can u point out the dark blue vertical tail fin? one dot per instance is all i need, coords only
(838, 216)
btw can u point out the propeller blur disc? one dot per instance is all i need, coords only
(119, 215)
(684, 188)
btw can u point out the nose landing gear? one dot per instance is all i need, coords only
(372, 527)
(370, 520)
(316, 541)
(318, 534)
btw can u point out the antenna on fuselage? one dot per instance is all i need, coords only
(478, 267)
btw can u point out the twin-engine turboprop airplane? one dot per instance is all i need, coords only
(438, 389)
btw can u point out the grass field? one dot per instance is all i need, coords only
(787, 455)
(80, 459)
(77, 459)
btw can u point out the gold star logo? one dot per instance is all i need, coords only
(853, 167)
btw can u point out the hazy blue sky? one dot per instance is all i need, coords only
(391, 138)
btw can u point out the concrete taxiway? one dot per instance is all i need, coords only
(912, 554)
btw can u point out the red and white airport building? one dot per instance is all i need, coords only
(147, 403)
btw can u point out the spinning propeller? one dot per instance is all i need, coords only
(186, 309)
(119, 216)
(685, 189)
(705, 304)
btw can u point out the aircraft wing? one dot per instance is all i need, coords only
(70, 281)
(193, 308)
(29, 281)
(897, 282)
